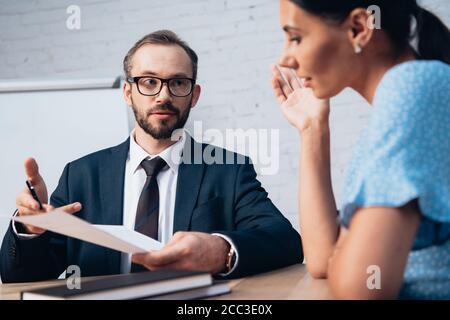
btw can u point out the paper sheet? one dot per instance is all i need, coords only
(115, 237)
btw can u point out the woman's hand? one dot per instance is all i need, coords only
(317, 207)
(299, 105)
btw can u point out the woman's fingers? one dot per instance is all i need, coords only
(296, 82)
(285, 80)
(279, 94)
(283, 83)
(289, 77)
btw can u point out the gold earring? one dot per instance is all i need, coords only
(358, 49)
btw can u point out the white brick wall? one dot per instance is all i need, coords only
(236, 41)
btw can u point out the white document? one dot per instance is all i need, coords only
(115, 237)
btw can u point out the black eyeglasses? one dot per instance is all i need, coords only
(151, 86)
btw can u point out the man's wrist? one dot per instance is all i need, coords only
(231, 259)
(20, 230)
(230, 256)
(224, 249)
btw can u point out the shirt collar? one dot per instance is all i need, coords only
(172, 154)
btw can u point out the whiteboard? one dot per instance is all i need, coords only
(55, 121)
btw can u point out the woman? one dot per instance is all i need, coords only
(392, 238)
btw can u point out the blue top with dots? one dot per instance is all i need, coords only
(404, 155)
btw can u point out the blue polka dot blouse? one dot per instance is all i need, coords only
(404, 155)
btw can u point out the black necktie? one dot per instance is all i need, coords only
(147, 214)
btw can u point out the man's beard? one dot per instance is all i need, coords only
(164, 130)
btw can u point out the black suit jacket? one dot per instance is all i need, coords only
(225, 198)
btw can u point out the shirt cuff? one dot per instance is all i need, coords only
(21, 236)
(227, 239)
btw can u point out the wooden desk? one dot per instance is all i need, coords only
(291, 283)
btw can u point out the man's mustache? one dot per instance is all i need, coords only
(165, 107)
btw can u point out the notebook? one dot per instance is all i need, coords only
(124, 286)
(216, 289)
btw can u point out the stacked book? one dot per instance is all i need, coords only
(160, 285)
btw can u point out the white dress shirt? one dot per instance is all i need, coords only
(135, 177)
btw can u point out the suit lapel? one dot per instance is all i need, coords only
(190, 174)
(112, 179)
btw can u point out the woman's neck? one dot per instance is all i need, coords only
(372, 75)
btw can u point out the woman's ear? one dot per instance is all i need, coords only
(360, 25)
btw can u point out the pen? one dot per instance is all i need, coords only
(34, 194)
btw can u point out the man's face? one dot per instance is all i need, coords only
(161, 114)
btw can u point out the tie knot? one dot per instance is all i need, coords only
(153, 166)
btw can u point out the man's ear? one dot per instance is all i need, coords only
(127, 93)
(360, 27)
(196, 94)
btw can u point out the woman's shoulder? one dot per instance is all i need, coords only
(413, 85)
(419, 72)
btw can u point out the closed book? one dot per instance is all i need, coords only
(216, 289)
(125, 286)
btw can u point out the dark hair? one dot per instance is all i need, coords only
(396, 20)
(164, 37)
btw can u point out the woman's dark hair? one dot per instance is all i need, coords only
(396, 20)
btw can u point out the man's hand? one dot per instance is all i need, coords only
(26, 205)
(190, 251)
